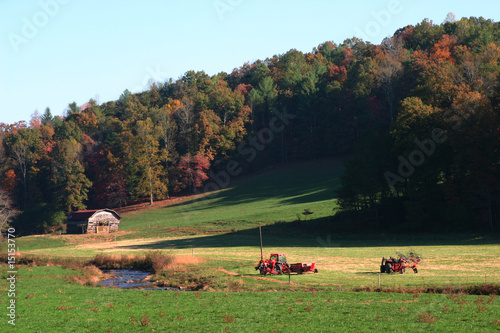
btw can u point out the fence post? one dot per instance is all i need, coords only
(379, 280)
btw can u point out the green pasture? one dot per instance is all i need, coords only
(232, 297)
(276, 195)
(49, 303)
(345, 261)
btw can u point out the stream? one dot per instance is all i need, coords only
(130, 279)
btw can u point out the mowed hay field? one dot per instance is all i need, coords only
(232, 296)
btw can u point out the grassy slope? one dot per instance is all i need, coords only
(277, 195)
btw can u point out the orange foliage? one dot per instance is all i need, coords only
(9, 181)
(338, 73)
(36, 120)
(442, 50)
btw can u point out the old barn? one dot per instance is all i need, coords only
(93, 221)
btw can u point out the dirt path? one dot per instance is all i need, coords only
(141, 207)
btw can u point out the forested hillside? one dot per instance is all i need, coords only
(416, 117)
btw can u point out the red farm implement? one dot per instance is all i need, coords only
(277, 264)
(400, 265)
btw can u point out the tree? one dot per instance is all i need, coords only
(7, 212)
(70, 185)
(194, 170)
(185, 114)
(363, 187)
(47, 118)
(148, 159)
(388, 74)
(168, 131)
(25, 148)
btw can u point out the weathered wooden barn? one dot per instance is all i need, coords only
(93, 221)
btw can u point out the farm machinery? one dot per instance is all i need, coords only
(277, 264)
(400, 264)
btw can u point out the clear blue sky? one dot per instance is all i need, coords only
(54, 52)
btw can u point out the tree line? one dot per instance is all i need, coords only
(416, 119)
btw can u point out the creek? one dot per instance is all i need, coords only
(130, 279)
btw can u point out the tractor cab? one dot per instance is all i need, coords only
(278, 258)
(276, 264)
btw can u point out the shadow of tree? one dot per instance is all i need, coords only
(314, 233)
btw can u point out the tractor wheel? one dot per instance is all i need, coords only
(388, 268)
(415, 270)
(402, 271)
(315, 270)
(382, 268)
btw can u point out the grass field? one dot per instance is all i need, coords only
(223, 230)
(277, 195)
(48, 303)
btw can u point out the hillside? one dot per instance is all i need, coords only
(419, 113)
(276, 195)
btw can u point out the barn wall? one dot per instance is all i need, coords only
(102, 217)
(75, 227)
(114, 226)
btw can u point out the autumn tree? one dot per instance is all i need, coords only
(148, 158)
(25, 148)
(167, 131)
(194, 170)
(7, 212)
(70, 185)
(186, 115)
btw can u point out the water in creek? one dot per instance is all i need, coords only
(129, 279)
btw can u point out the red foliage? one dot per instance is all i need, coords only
(338, 73)
(194, 169)
(348, 56)
(111, 191)
(244, 89)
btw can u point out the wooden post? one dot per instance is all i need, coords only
(192, 252)
(379, 280)
(260, 233)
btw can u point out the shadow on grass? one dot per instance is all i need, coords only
(315, 233)
(312, 181)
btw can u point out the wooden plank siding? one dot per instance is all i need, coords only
(93, 221)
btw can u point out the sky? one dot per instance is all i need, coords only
(55, 52)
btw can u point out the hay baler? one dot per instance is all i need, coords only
(400, 265)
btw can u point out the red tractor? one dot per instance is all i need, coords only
(277, 264)
(400, 265)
